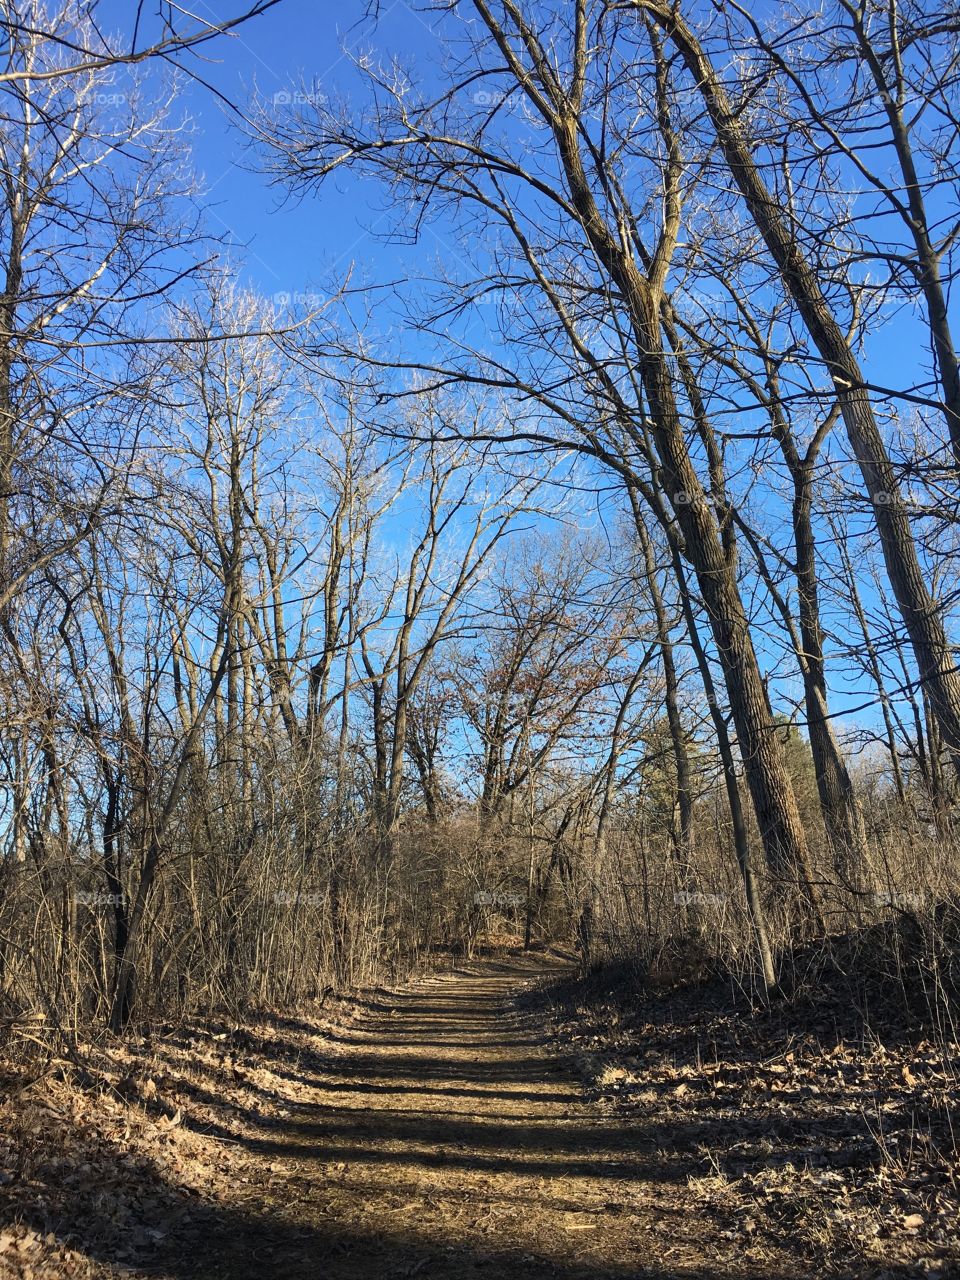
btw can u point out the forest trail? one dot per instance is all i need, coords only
(444, 1140)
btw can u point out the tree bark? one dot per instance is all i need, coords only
(923, 618)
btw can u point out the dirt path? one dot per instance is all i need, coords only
(443, 1140)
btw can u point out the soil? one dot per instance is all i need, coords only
(447, 1142)
(437, 1131)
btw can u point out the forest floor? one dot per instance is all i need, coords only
(462, 1125)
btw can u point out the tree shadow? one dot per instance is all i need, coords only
(178, 1236)
(379, 1167)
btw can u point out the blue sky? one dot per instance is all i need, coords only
(282, 246)
(285, 248)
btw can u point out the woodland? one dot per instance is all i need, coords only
(584, 593)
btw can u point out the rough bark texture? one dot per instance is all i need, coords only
(774, 803)
(935, 659)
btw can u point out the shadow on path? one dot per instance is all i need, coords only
(435, 1137)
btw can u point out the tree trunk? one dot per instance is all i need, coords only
(935, 659)
(774, 802)
(741, 841)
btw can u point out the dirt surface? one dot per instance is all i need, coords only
(440, 1131)
(443, 1140)
(823, 1129)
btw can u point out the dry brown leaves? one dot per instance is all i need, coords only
(843, 1150)
(108, 1169)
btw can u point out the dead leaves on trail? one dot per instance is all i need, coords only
(722, 1132)
(844, 1152)
(106, 1170)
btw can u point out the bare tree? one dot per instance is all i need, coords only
(459, 503)
(922, 615)
(81, 46)
(566, 218)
